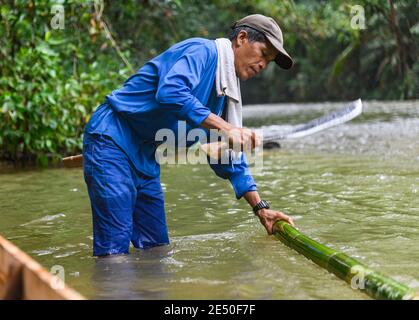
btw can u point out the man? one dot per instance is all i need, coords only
(119, 147)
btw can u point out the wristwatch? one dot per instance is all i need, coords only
(263, 204)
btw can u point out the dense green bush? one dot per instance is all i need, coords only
(51, 80)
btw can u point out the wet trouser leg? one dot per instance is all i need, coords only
(126, 205)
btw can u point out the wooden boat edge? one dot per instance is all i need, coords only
(21, 277)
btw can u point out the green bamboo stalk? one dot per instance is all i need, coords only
(359, 276)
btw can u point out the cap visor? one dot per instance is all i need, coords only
(282, 59)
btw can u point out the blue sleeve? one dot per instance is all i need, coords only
(176, 86)
(238, 173)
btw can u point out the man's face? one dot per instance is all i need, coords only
(250, 58)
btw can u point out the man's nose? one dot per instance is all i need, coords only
(262, 65)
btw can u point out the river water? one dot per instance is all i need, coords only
(354, 187)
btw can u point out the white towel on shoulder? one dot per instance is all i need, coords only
(227, 83)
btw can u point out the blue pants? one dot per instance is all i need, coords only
(126, 205)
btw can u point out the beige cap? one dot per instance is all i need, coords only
(272, 32)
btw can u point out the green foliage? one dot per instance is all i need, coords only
(335, 61)
(51, 80)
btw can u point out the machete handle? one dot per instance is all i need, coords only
(73, 161)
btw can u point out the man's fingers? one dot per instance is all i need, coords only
(269, 229)
(290, 221)
(242, 139)
(270, 219)
(254, 142)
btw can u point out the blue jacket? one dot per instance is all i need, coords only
(178, 84)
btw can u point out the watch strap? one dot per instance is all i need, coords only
(263, 204)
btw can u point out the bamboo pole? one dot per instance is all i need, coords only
(375, 284)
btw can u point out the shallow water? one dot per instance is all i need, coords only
(354, 188)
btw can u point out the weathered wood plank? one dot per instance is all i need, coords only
(21, 277)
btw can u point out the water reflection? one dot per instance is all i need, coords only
(140, 275)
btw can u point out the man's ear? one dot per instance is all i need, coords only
(242, 38)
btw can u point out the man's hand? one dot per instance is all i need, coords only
(269, 217)
(240, 139)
